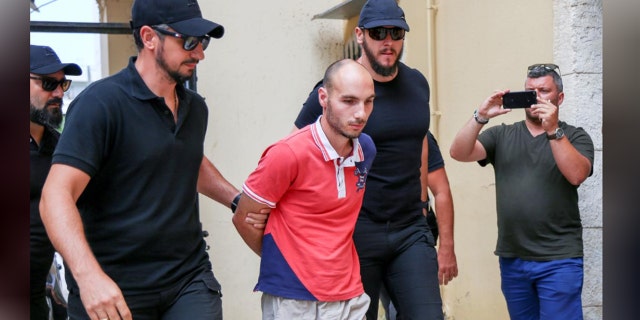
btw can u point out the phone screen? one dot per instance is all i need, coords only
(519, 99)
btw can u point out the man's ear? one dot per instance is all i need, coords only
(323, 95)
(149, 37)
(560, 98)
(359, 35)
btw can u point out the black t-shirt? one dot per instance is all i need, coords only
(398, 124)
(435, 156)
(140, 208)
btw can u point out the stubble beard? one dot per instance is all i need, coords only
(532, 118)
(175, 75)
(334, 123)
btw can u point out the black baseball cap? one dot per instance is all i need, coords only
(378, 13)
(183, 16)
(43, 60)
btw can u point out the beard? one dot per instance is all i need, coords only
(532, 118)
(173, 74)
(377, 67)
(47, 116)
(334, 123)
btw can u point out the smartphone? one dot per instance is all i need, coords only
(519, 99)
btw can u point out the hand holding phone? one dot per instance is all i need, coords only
(519, 99)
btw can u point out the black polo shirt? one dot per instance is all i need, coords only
(41, 250)
(140, 208)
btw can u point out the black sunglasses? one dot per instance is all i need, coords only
(50, 84)
(190, 42)
(546, 66)
(380, 33)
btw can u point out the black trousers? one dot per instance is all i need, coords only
(195, 299)
(404, 259)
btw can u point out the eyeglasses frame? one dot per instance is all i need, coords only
(47, 82)
(204, 40)
(387, 31)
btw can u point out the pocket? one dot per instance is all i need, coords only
(432, 222)
(212, 283)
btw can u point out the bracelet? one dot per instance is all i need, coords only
(478, 118)
(234, 203)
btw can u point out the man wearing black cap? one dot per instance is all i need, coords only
(47, 85)
(121, 201)
(393, 240)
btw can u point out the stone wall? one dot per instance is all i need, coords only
(578, 52)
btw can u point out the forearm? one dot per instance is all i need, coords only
(64, 228)
(464, 145)
(212, 184)
(447, 263)
(251, 236)
(443, 206)
(444, 211)
(572, 164)
(62, 220)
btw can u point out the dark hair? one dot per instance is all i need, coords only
(538, 72)
(137, 39)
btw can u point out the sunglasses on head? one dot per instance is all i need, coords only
(545, 66)
(380, 33)
(190, 42)
(50, 84)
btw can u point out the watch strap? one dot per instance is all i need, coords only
(234, 203)
(479, 119)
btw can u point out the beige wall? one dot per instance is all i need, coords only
(256, 77)
(480, 46)
(118, 47)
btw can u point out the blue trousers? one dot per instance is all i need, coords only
(547, 290)
(196, 299)
(403, 258)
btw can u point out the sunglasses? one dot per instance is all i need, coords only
(50, 84)
(546, 66)
(380, 33)
(190, 42)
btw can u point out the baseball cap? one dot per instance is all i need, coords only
(183, 16)
(378, 13)
(43, 60)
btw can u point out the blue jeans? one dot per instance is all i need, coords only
(195, 299)
(403, 258)
(542, 289)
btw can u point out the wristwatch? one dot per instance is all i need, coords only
(557, 135)
(479, 119)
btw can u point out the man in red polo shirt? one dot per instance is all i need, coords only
(313, 180)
